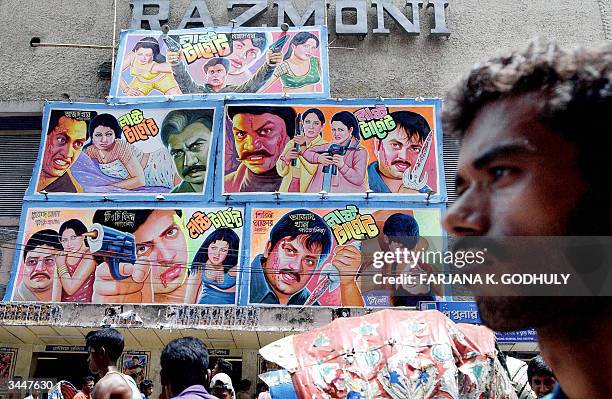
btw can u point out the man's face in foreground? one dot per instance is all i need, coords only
(516, 178)
(160, 241)
(290, 264)
(259, 139)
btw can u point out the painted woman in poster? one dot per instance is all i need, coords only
(341, 164)
(149, 69)
(121, 160)
(297, 172)
(215, 265)
(301, 69)
(75, 265)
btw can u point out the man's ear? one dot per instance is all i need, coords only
(268, 249)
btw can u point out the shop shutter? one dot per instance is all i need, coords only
(18, 153)
(451, 158)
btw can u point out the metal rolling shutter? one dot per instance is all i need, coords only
(18, 153)
(451, 157)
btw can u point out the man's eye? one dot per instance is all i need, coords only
(416, 148)
(500, 172)
(396, 146)
(176, 154)
(61, 140)
(265, 131)
(309, 262)
(142, 250)
(171, 233)
(78, 144)
(240, 135)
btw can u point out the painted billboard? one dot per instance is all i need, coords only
(123, 151)
(388, 150)
(171, 255)
(327, 256)
(220, 62)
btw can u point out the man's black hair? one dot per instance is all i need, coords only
(216, 61)
(537, 366)
(402, 228)
(55, 116)
(287, 114)
(184, 362)
(43, 237)
(317, 231)
(108, 338)
(140, 217)
(87, 380)
(412, 123)
(224, 366)
(145, 384)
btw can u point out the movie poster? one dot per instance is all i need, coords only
(128, 255)
(387, 150)
(8, 357)
(216, 62)
(331, 256)
(136, 365)
(124, 150)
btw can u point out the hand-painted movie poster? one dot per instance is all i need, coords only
(135, 364)
(125, 150)
(217, 62)
(326, 256)
(104, 255)
(346, 147)
(8, 357)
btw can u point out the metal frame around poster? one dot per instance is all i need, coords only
(20, 244)
(440, 197)
(114, 98)
(206, 196)
(244, 282)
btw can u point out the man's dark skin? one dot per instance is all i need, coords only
(110, 386)
(516, 177)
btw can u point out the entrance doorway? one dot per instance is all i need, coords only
(60, 366)
(236, 363)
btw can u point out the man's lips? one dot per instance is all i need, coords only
(401, 165)
(255, 157)
(39, 276)
(289, 276)
(60, 163)
(170, 274)
(236, 64)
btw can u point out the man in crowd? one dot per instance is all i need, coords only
(184, 363)
(86, 388)
(160, 271)
(221, 387)
(535, 133)
(222, 366)
(146, 388)
(260, 134)
(299, 244)
(39, 264)
(187, 134)
(104, 347)
(216, 73)
(65, 139)
(397, 153)
(541, 378)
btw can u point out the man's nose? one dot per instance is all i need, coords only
(164, 253)
(247, 144)
(468, 216)
(190, 159)
(40, 266)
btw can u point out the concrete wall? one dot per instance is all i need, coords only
(394, 65)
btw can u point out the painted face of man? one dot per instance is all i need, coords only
(243, 55)
(290, 264)
(397, 153)
(215, 76)
(217, 252)
(312, 126)
(63, 146)
(39, 266)
(511, 182)
(189, 150)
(160, 241)
(542, 384)
(259, 140)
(71, 242)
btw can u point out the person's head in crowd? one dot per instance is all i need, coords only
(222, 366)
(104, 348)
(541, 377)
(400, 231)
(146, 387)
(244, 385)
(221, 386)
(87, 385)
(184, 363)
